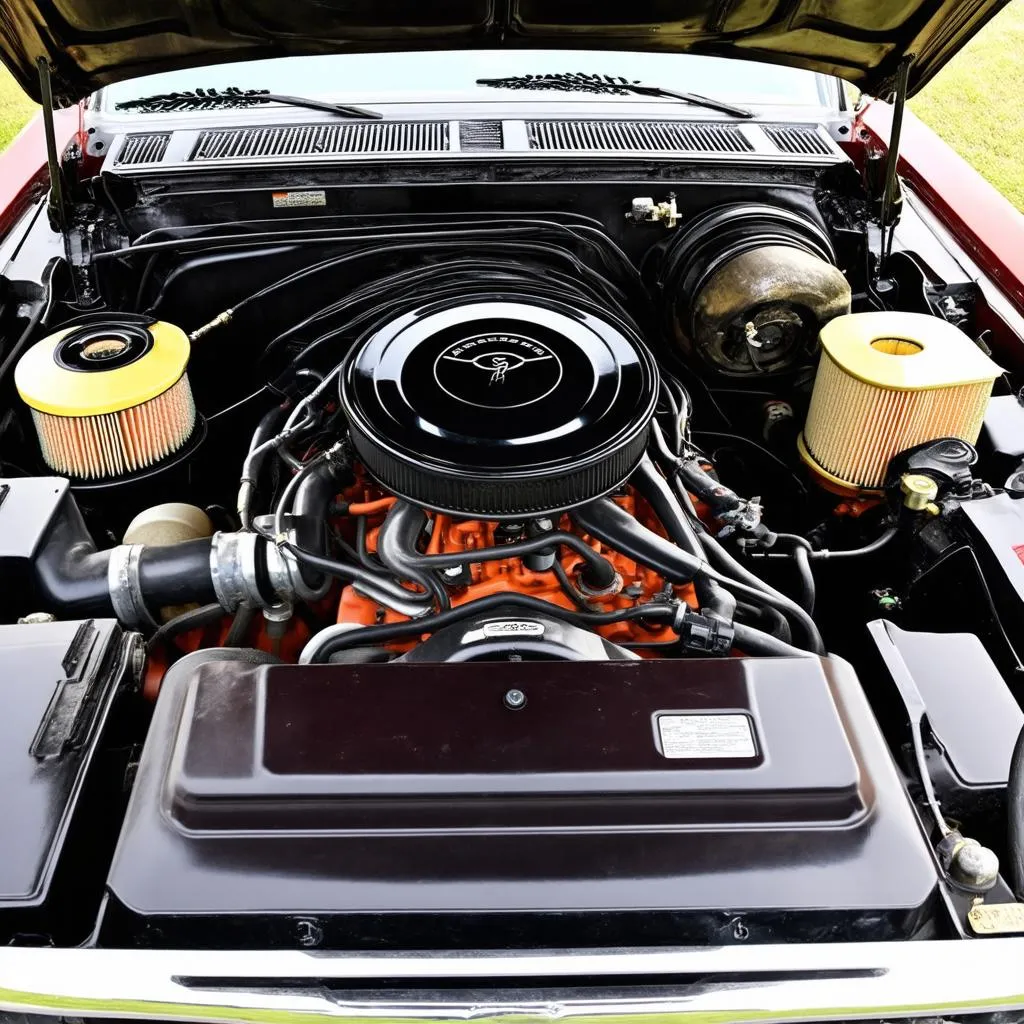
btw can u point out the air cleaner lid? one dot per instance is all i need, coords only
(102, 364)
(906, 351)
(500, 408)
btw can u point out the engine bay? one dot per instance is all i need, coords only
(513, 556)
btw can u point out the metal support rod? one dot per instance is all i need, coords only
(890, 194)
(55, 205)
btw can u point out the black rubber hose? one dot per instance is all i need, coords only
(755, 641)
(72, 576)
(801, 558)
(568, 588)
(265, 430)
(598, 573)
(396, 548)
(806, 596)
(240, 625)
(615, 527)
(196, 618)
(370, 635)
(176, 574)
(719, 498)
(313, 495)
(736, 573)
(712, 598)
(1015, 818)
(768, 620)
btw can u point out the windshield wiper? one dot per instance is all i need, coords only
(233, 98)
(577, 81)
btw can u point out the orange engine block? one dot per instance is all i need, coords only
(510, 575)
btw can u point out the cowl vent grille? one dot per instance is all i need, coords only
(637, 136)
(800, 139)
(143, 149)
(476, 135)
(323, 140)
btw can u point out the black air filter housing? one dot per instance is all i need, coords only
(500, 407)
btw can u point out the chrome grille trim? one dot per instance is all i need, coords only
(374, 137)
(800, 139)
(890, 981)
(778, 144)
(147, 148)
(639, 137)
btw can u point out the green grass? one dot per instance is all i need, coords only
(15, 108)
(976, 103)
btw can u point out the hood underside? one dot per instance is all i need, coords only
(91, 43)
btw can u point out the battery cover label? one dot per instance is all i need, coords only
(706, 736)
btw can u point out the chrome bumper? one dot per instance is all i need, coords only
(720, 985)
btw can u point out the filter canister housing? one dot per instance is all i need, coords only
(109, 397)
(888, 381)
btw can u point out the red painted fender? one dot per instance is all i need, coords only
(23, 171)
(984, 222)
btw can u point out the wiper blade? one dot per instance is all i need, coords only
(234, 98)
(578, 81)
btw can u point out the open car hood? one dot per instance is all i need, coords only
(91, 43)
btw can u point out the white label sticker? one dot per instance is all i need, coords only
(706, 736)
(287, 200)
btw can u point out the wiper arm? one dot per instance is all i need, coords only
(233, 98)
(577, 81)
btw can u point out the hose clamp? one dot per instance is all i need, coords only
(285, 575)
(125, 587)
(236, 573)
(233, 570)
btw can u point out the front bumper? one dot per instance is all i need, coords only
(719, 985)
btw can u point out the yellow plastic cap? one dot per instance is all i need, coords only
(48, 387)
(919, 491)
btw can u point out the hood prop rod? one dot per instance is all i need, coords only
(56, 206)
(892, 198)
(76, 248)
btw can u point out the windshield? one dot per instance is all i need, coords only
(444, 75)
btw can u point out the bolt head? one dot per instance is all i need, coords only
(515, 700)
(974, 865)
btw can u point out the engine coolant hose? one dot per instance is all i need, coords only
(615, 527)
